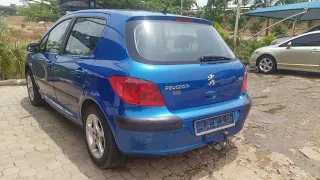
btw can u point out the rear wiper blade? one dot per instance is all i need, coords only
(213, 58)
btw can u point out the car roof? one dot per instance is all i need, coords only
(126, 13)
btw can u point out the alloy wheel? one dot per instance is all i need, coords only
(95, 136)
(266, 65)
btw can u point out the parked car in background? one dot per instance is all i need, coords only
(299, 53)
(139, 83)
(282, 39)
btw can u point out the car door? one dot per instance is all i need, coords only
(43, 62)
(71, 67)
(304, 53)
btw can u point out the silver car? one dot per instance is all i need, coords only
(298, 53)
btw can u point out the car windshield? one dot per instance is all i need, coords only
(172, 42)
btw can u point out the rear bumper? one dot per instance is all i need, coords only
(173, 131)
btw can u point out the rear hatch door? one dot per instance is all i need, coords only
(170, 53)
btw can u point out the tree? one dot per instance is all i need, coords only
(40, 11)
(122, 4)
(215, 10)
(244, 2)
(243, 21)
(256, 26)
(283, 2)
(279, 31)
(8, 10)
(152, 5)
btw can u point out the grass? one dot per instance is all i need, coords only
(13, 43)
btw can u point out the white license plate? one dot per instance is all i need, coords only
(212, 124)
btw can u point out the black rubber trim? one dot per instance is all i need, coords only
(247, 105)
(166, 123)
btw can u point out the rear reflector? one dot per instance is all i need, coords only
(244, 83)
(137, 91)
(183, 19)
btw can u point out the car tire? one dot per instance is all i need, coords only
(100, 142)
(267, 64)
(33, 91)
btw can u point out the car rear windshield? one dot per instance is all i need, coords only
(173, 42)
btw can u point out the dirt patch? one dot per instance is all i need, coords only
(275, 110)
(285, 123)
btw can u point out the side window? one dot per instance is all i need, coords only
(56, 37)
(84, 36)
(307, 40)
(284, 44)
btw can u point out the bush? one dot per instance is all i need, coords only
(23, 26)
(279, 30)
(246, 47)
(11, 60)
(12, 55)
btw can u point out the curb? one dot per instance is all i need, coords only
(13, 82)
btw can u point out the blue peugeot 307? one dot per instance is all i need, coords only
(139, 83)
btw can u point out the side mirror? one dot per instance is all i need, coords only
(289, 45)
(33, 47)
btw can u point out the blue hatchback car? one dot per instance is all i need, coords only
(139, 83)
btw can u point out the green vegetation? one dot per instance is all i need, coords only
(246, 47)
(8, 10)
(243, 22)
(40, 11)
(11, 55)
(256, 26)
(279, 30)
(13, 44)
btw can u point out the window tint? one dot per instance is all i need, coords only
(307, 40)
(56, 37)
(84, 36)
(172, 42)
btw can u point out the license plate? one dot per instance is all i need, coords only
(212, 124)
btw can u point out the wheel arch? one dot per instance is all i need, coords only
(85, 103)
(88, 100)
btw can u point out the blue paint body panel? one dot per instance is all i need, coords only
(66, 82)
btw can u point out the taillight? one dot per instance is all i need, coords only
(137, 91)
(244, 83)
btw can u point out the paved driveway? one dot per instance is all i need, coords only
(38, 143)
